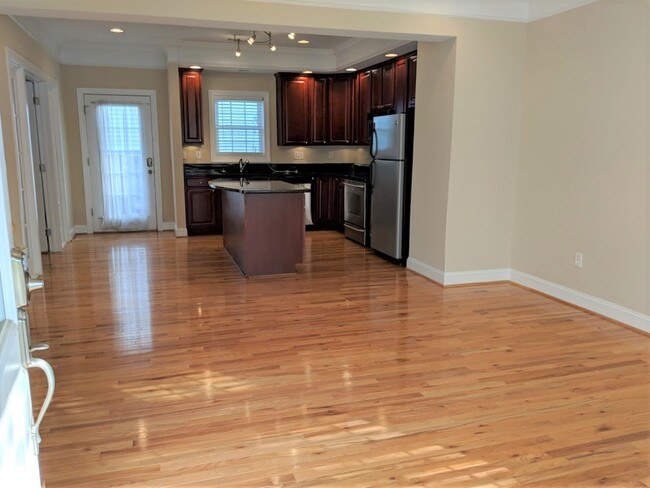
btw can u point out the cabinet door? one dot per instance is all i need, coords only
(191, 108)
(413, 65)
(401, 85)
(293, 110)
(388, 85)
(340, 109)
(202, 207)
(364, 85)
(376, 88)
(319, 113)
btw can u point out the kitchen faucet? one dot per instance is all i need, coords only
(242, 164)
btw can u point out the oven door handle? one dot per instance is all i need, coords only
(355, 185)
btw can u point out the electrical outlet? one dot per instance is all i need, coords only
(330, 155)
(578, 260)
(298, 155)
(198, 154)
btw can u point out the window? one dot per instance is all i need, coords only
(239, 126)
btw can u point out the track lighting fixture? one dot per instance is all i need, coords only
(253, 41)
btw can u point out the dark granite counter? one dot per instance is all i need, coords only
(295, 173)
(243, 185)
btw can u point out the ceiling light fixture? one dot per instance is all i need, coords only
(195, 66)
(307, 72)
(303, 41)
(391, 55)
(254, 41)
(117, 30)
(291, 35)
(350, 69)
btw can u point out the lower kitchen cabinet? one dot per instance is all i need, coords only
(327, 203)
(202, 207)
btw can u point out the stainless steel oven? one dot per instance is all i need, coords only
(355, 212)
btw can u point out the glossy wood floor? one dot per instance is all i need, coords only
(174, 370)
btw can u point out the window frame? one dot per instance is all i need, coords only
(218, 157)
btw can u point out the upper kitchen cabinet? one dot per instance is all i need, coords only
(383, 86)
(315, 110)
(412, 69)
(191, 118)
(319, 109)
(401, 85)
(294, 95)
(340, 114)
(363, 105)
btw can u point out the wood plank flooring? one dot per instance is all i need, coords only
(174, 370)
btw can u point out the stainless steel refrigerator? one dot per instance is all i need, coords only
(388, 208)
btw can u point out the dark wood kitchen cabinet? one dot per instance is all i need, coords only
(401, 85)
(319, 112)
(363, 105)
(412, 69)
(191, 106)
(294, 109)
(202, 207)
(340, 115)
(327, 203)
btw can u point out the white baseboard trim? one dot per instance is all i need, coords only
(480, 276)
(588, 302)
(593, 304)
(168, 226)
(180, 232)
(458, 277)
(80, 229)
(425, 270)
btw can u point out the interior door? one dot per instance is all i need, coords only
(39, 165)
(120, 148)
(19, 457)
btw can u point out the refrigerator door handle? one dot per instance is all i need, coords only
(373, 141)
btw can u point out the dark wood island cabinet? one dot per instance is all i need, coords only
(202, 207)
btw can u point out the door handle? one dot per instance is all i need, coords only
(49, 374)
(149, 162)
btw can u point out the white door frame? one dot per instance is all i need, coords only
(58, 203)
(85, 154)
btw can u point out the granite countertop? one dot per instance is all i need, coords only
(243, 185)
(296, 173)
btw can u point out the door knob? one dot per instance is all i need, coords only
(34, 284)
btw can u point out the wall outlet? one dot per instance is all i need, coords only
(184, 156)
(578, 260)
(330, 155)
(198, 154)
(298, 155)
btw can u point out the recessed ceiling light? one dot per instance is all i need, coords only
(391, 55)
(303, 41)
(117, 30)
(195, 66)
(350, 69)
(307, 72)
(291, 35)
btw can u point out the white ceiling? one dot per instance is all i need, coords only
(86, 39)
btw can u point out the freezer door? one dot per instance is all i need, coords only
(386, 211)
(390, 134)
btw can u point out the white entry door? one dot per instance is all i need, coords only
(18, 433)
(120, 148)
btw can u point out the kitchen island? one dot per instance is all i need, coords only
(263, 224)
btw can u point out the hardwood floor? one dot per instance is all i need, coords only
(174, 370)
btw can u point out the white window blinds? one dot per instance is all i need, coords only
(239, 126)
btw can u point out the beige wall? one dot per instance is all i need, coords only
(583, 179)
(74, 77)
(488, 96)
(432, 151)
(14, 38)
(265, 82)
